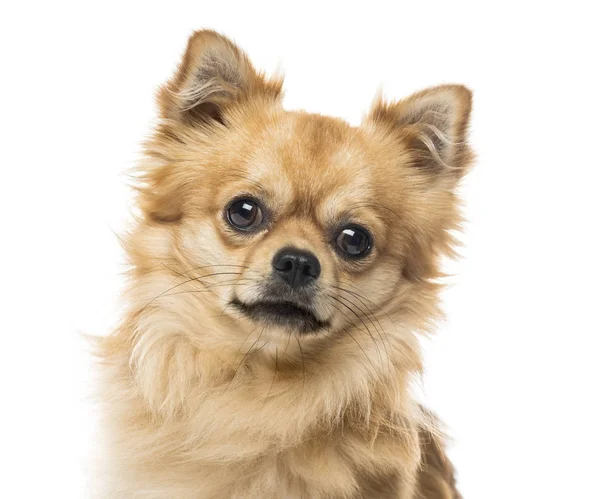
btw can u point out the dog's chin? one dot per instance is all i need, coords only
(284, 314)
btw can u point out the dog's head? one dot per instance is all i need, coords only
(262, 221)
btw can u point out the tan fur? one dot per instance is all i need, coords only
(200, 402)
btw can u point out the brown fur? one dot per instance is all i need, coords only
(201, 402)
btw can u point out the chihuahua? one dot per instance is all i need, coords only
(282, 268)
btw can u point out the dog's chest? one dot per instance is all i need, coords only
(317, 470)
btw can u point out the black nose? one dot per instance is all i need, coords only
(296, 267)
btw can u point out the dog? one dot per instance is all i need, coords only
(282, 267)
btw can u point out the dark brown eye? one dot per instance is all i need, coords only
(354, 241)
(244, 214)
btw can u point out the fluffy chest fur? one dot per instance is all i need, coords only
(256, 437)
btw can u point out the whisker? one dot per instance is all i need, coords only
(367, 299)
(244, 357)
(368, 313)
(185, 272)
(198, 279)
(360, 319)
(361, 297)
(242, 344)
(208, 289)
(273, 381)
(347, 331)
(380, 331)
(261, 347)
(371, 315)
(288, 342)
(303, 366)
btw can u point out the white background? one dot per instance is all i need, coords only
(514, 370)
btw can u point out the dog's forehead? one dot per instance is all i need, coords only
(313, 161)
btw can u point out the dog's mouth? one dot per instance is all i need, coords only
(281, 313)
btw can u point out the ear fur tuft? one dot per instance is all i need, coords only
(433, 123)
(214, 74)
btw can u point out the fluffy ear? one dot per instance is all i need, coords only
(213, 75)
(433, 124)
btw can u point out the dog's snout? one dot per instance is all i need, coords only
(296, 267)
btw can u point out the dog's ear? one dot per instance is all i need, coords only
(213, 75)
(433, 125)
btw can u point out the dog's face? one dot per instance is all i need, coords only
(292, 224)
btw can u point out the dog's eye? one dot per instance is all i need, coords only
(354, 241)
(244, 214)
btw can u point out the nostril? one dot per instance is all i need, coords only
(284, 263)
(311, 268)
(308, 270)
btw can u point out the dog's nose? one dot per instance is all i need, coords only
(296, 267)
